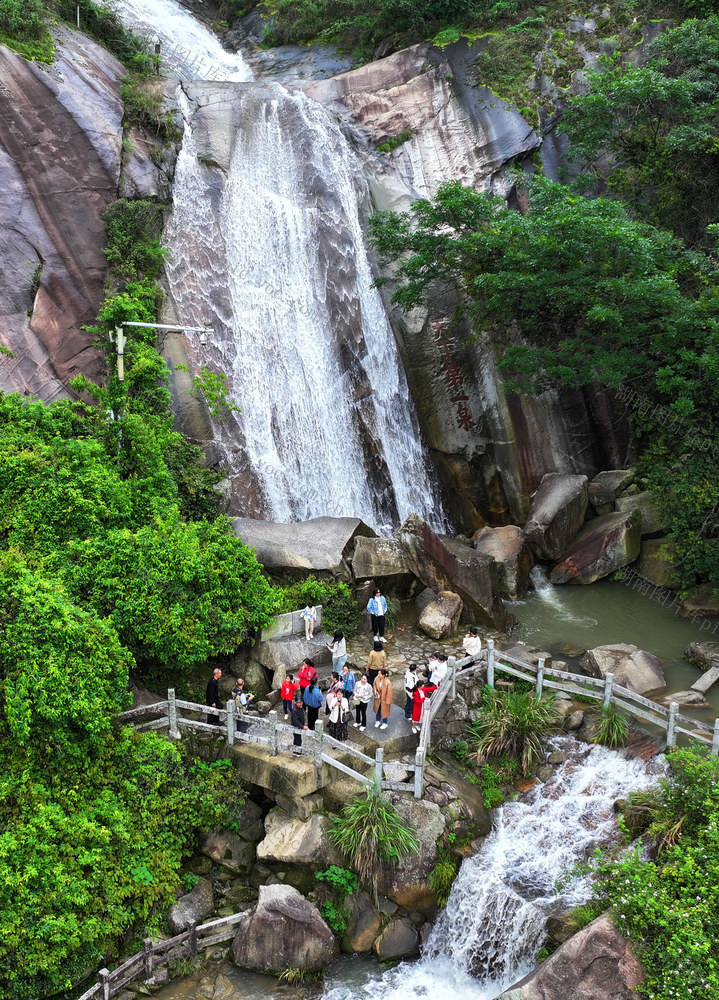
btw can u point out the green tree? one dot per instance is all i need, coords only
(658, 123)
(575, 292)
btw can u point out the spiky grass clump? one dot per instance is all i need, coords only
(513, 723)
(613, 728)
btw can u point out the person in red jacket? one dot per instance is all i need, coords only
(305, 674)
(418, 697)
(289, 689)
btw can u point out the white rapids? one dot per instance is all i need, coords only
(495, 920)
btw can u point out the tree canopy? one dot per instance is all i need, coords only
(576, 291)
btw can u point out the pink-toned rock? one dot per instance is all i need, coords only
(603, 546)
(597, 963)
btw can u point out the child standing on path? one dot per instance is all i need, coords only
(289, 689)
(298, 722)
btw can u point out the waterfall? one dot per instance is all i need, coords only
(273, 252)
(487, 937)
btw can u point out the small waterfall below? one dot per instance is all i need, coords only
(487, 937)
(268, 244)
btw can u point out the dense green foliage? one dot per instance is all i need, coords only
(658, 122)
(113, 559)
(613, 728)
(339, 608)
(371, 834)
(596, 297)
(669, 906)
(442, 876)
(512, 724)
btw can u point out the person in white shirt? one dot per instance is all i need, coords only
(472, 644)
(410, 679)
(437, 668)
(364, 695)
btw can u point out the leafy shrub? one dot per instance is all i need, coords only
(395, 141)
(22, 20)
(339, 608)
(189, 881)
(132, 232)
(144, 106)
(335, 916)
(669, 907)
(512, 723)
(371, 833)
(491, 782)
(613, 728)
(342, 880)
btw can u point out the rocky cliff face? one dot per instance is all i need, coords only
(491, 449)
(61, 163)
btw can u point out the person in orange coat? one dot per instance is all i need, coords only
(382, 699)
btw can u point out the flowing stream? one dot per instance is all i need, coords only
(273, 252)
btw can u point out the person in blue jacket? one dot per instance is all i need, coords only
(313, 699)
(377, 607)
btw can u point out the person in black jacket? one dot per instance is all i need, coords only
(212, 696)
(298, 722)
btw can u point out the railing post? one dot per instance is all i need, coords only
(272, 716)
(490, 662)
(172, 714)
(231, 722)
(193, 939)
(418, 773)
(715, 739)
(540, 677)
(608, 683)
(149, 957)
(104, 977)
(378, 765)
(319, 733)
(672, 725)
(452, 660)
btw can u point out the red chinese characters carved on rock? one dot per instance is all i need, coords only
(453, 378)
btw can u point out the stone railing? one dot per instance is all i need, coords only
(289, 624)
(277, 737)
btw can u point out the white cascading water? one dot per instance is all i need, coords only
(487, 937)
(278, 257)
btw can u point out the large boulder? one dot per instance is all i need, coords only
(655, 563)
(322, 545)
(603, 546)
(192, 908)
(293, 841)
(606, 487)
(229, 850)
(441, 618)
(444, 564)
(646, 505)
(384, 561)
(510, 550)
(597, 963)
(705, 601)
(633, 668)
(557, 514)
(363, 923)
(704, 655)
(408, 884)
(398, 940)
(283, 656)
(284, 931)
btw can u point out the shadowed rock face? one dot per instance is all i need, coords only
(60, 163)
